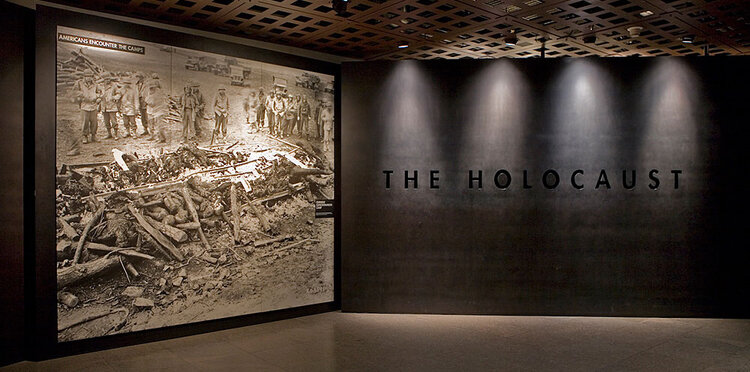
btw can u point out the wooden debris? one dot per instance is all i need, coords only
(131, 269)
(67, 230)
(299, 243)
(261, 243)
(68, 299)
(288, 247)
(188, 226)
(156, 234)
(92, 222)
(262, 218)
(278, 195)
(73, 274)
(207, 257)
(64, 250)
(235, 212)
(152, 203)
(254, 209)
(177, 235)
(89, 318)
(87, 165)
(194, 213)
(225, 217)
(130, 252)
(145, 237)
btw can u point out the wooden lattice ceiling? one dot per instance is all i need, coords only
(373, 29)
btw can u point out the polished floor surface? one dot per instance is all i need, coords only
(378, 342)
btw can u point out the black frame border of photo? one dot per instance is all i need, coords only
(41, 280)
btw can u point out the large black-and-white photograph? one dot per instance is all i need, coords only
(186, 185)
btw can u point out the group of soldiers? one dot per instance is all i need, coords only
(130, 96)
(137, 94)
(191, 106)
(285, 113)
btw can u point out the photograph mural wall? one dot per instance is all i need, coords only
(187, 185)
(586, 186)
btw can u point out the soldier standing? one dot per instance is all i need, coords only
(200, 105)
(260, 111)
(251, 106)
(221, 111)
(88, 96)
(279, 107)
(270, 99)
(304, 116)
(318, 123)
(188, 102)
(326, 117)
(111, 101)
(290, 117)
(130, 104)
(157, 108)
(142, 89)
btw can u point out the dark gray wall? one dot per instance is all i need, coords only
(596, 251)
(15, 21)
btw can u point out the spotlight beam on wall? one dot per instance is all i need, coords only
(408, 109)
(582, 108)
(497, 106)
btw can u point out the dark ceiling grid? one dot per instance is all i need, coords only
(372, 29)
(430, 23)
(726, 21)
(268, 22)
(466, 30)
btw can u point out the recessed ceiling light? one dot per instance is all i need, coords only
(635, 31)
(403, 46)
(646, 13)
(688, 39)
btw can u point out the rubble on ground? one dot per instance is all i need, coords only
(178, 225)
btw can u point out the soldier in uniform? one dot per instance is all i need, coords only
(221, 112)
(279, 105)
(304, 117)
(290, 116)
(129, 105)
(142, 88)
(251, 106)
(326, 118)
(111, 102)
(88, 96)
(260, 110)
(199, 107)
(269, 104)
(156, 102)
(188, 104)
(278, 114)
(318, 123)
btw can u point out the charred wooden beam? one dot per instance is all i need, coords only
(93, 221)
(261, 243)
(74, 274)
(160, 238)
(194, 213)
(130, 251)
(67, 230)
(177, 235)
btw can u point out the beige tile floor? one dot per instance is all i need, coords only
(379, 342)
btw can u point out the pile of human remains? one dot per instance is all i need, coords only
(168, 207)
